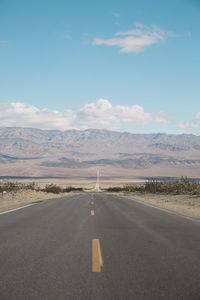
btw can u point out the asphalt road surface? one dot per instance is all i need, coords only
(47, 251)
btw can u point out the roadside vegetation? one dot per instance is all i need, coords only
(175, 187)
(55, 189)
(50, 188)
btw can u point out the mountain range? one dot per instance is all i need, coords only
(29, 152)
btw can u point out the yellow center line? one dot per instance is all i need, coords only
(92, 212)
(97, 261)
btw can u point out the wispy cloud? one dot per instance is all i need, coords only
(195, 123)
(3, 42)
(134, 40)
(67, 36)
(99, 114)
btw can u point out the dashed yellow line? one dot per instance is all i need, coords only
(92, 212)
(97, 261)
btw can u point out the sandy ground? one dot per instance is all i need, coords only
(20, 198)
(184, 204)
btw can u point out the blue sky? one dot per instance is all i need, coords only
(123, 65)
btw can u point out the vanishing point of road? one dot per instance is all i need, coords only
(98, 246)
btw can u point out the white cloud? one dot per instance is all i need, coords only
(100, 114)
(195, 123)
(67, 36)
(135, 40)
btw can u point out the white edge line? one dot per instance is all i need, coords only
(14, 209)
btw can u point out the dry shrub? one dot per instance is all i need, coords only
(182, 186)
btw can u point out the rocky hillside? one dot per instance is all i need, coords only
(47, 150)
(27, 141)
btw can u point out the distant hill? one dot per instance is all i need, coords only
(35, 152)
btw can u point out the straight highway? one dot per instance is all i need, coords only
(98, 246)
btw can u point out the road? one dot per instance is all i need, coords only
(46, 251)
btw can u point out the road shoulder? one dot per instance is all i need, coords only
(18, 199)
(184, 204)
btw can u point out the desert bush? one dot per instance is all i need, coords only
(126, 188)
(16, 186)
(52, 188)
(133, 188)
(68, 189)
(31, 186)
(182, 186)
(114, 189)
(11, 187)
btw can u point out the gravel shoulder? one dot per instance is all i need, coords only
(185, 204)
(20, 198)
